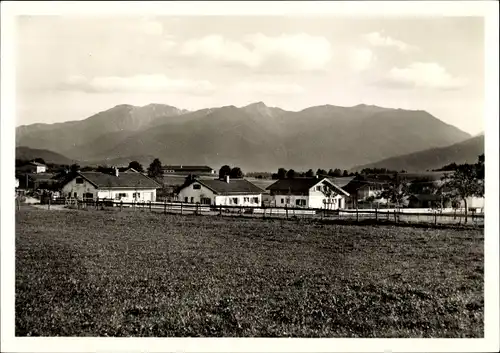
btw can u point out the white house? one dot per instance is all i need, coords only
(307, 193)
(33, 167)
(232, 192)
(128, 186)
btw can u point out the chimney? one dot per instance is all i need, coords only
(117, 172)
(226, 178)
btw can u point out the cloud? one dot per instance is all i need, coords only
(152, 28)
(377, 39)
(288, 52)
(269, 88)
(138, 84)
(361, 59)
(424, 75)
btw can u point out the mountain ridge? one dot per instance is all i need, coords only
(254, 136)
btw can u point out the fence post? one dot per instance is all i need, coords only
(357, 212)
(286, 211)
(220, 210)
(181, 207)
(49, 204)
(150, 204)
(196, 209)
(376, 214)
(395, 219)
(165, 207)
(121, 205)
(435, 218)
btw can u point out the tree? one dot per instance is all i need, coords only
(39, 160)
(224, 170)
(136, 165)
(281, 173)
(422, 185)
(396, 191)
(310, 173)
(345, 173)
(236, 173)
(74, 168)
(290, 174)
(465, 182)
(274, 176)
(155, 169)
(331, 172)
(321, 172)
(337, 173)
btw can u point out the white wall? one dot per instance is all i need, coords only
(241, 200)
(73, 189)
(316, 199)
(128, 194)
(194, 195)
(41, 169)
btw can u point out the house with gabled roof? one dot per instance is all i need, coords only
(126, 187)
(188, 169)
(217, 192)
(308, 193)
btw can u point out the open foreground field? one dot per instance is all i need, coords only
(105, 273)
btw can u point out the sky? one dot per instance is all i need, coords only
(69, 68)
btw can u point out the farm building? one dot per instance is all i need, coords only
(235, 192)
(188, 169)
(427, 201)
(361, 188)
(37, 181)
(128, 186)
(33, 167)
(308, 193)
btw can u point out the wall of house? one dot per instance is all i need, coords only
(128, 194)
(317, 198)
(192, 195)
(239, 200)
(475, 202)
(72, 189)
(40, 169)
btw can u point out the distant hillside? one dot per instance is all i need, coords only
(435, 158)
(254, 137)
(26, 153)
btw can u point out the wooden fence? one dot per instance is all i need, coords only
(425, 216)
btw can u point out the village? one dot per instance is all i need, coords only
(206, 188)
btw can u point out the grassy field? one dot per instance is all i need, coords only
(100, 273)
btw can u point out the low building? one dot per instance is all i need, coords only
(188, 169)
(127, 187)
(32, 167)
(226, 192)
(307, 193)
(427, 201)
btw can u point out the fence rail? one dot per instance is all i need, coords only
(428, 216)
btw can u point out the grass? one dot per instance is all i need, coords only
(98, 273)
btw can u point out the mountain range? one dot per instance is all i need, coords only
(255, 137)
(434, 158)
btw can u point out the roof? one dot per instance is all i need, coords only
(301, 185)
(187, 167)
(341, 181)
(234, 187)
(123, 180)
(40, 176)
(38, 164)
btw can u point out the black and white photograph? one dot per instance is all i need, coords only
(222, 172)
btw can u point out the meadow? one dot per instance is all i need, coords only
(107, 273)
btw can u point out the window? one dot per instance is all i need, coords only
(318, 188)
(255, 200)
(79, 180)
(287, 200)
(75, 195)
(192, 199)
(235, 200)
(300, 202)
(136, 195)
(282, 200)
(186, 199)
(88, 195)
(246, 199)
(197, 186)
(120, 195)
